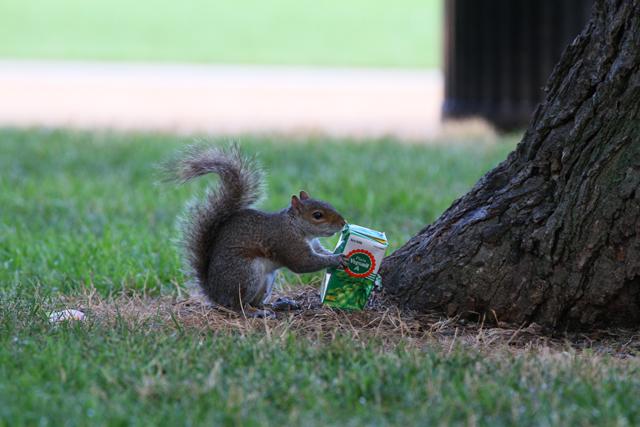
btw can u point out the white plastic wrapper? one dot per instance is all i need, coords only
(65, 315)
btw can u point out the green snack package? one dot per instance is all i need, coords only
(351, 287)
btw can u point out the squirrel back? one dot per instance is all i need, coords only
(241, 186)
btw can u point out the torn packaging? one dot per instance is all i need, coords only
(351, 287)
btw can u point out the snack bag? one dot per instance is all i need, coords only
(351, 287)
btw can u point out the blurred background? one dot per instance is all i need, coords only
(354, 68)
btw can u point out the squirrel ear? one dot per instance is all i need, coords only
(304, 195)
(295, 203)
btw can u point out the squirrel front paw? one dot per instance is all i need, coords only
(340, 261)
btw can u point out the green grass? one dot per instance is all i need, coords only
(123, 375)
(402, 33)
(83, 209)
(80, 209)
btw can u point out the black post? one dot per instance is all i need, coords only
(499, 54)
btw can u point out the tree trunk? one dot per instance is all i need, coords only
(552, 234)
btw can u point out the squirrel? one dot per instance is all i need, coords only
(233, 250)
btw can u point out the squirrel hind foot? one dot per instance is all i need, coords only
(285, 304)
(259, 314)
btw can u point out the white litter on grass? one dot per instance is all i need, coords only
(64, 315)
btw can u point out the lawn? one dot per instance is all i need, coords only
(82, 212)
(381, 33)
(79, 208)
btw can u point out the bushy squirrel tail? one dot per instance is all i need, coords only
(241, 185)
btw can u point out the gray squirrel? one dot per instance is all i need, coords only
(232, 250)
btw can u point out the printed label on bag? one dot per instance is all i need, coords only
(351, 287)
(360, 263)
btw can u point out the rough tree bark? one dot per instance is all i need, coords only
(552, 234)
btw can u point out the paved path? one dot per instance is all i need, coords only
(221, 99)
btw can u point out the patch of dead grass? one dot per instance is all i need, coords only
(383, 323)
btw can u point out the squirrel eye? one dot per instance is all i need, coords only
(317, 214)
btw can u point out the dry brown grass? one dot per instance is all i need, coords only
(382, 323)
